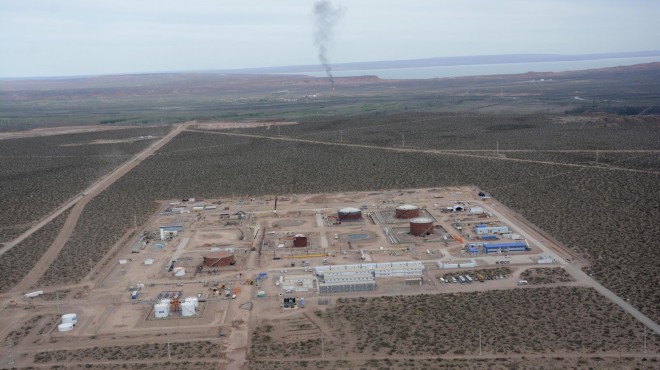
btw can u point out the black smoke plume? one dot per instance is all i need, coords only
(325, 16)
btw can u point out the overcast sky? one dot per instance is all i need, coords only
(78, 37)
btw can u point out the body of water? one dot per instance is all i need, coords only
(488, 69)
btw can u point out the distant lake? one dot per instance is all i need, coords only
(487, 69)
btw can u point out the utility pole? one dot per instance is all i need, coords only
(278, 130)
(341, 136)
(57, 297)
(645, 339)
(479, 342)
(596, 155)
(169, 357)
(403, 140)
(10, 354)
(497, 148)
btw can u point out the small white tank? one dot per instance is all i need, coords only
(187, 309)
(194, 300)
(67, 326)
(69, 318)
(166, 301)
(161, 310)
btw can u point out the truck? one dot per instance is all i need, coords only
(469, 278)
(461, 279)
(302, 302)
(480, 278)
(135, 294)
(522, 282)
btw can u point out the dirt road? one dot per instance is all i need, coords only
(79, 204)
(462, 153)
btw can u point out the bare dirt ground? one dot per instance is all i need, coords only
(49, 131)
(231, 125)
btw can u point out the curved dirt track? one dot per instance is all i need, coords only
(79, 204)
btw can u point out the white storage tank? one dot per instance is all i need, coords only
(187, 309)
(67, 326)
(69, 318)
(162, 310)
(194, 300)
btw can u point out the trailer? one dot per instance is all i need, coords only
(461, 279)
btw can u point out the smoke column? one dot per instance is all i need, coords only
(325, 16)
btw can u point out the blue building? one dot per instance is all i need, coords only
(505, 247)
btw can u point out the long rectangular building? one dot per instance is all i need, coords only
(485, 229)
(505, 247)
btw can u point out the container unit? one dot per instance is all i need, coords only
(476, 210)
(406, 211)
(456, 264)
(489, 237)
(421, 226)
(482, 229)
(300, 241)
(349, 213)
(34, 294)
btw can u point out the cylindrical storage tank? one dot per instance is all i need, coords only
(69, 318)
(407, 211)
(67, 326)
(193, 300)
(187, 309)
(162, 310)
(421, 226)
(216, 259)
(300, 241)
(349, 213)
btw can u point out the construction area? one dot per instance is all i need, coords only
(216, 267)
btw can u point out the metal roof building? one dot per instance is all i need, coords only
(505, 247)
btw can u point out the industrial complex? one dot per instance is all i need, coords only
(201, 265)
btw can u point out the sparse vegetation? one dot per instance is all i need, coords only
(38, 174)
(512, 321)
(178, 351)
(546, 275)
(16, 263)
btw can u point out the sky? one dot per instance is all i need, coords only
(84, 37)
